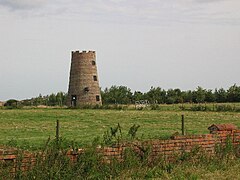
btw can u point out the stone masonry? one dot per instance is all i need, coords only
(83, 82)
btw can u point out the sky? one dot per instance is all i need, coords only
(139, 43)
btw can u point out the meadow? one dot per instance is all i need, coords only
(30, 128)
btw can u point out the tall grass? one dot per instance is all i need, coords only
(52, 163)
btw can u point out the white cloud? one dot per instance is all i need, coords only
(23, 4)
(193, 51)
(158, 11)
(140, 11)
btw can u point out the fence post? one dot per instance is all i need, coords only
(183, 131)
(57, 131)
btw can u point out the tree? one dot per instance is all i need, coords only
(220, 95)
(209, 96)
(13, 103)
(137, 96)
(61, 98)
(187, 96)
(117, 95)
(174, 96)
(52, 100)
(38, 100)
(156, 95)
(233, 94)
(199, 95)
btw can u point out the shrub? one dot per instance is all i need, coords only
(12, 104)
(155, 107)
(199, 107)
(224, 108)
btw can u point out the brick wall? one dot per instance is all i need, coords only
(168, 148)
(165, 148)
(11, 156)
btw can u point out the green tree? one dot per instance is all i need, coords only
(199, 95)
(117, 95)
(52, 101)
(11, 103)
(38, 100)
(233, 94)
(174, 96)
(137, 96)
(156, 95)
(220, 95)
(187, 96)
(209, 96)
(61, 98)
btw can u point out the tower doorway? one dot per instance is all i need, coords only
(74, 101)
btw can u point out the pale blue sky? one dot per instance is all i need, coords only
(143, 43)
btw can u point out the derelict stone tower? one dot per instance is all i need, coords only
(83, 82)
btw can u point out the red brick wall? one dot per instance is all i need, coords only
(165, 148)
(11, 156)
(175, 145)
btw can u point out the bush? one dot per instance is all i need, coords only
(224, 108)
(200, 107)
(12, 104)
(155, 107)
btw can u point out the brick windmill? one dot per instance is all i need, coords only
(83, 82)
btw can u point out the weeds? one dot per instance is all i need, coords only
(53, 163)
(133, 131)
(114, 135)
(213, 108)
(226, 151)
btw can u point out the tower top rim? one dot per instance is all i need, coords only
(83, 52)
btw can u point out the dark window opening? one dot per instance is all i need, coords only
(95, 78)
(86, 89)
(74, 101)
(97, 98)
(93, 63)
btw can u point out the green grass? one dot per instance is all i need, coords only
(30, 128)
(34, 126)
(89, 165)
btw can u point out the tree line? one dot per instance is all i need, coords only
(156, 95)
(58, 99)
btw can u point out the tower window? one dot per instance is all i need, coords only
(93, 63)
(86, 89)
(97, 98)
(95, 78)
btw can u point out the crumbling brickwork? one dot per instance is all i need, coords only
(16, 159)
(171, 147)
(84, 81)
(158, 148)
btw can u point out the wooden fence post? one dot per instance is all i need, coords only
(183, 131)
(57, 131)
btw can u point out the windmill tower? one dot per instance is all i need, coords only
(83, 82)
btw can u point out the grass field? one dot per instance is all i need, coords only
(32, 127)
